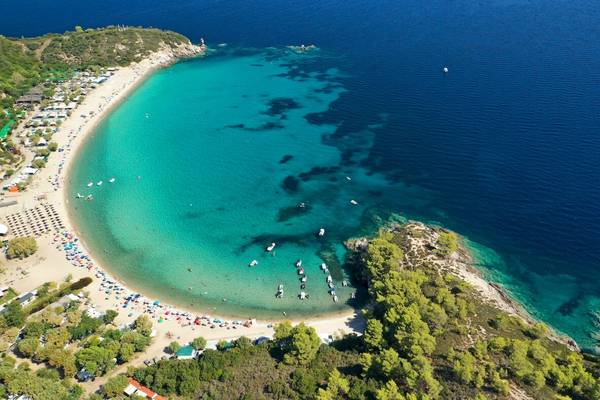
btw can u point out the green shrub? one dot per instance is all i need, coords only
(21, 247)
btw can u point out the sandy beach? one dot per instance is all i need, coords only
(56, 258)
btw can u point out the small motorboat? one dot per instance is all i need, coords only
(298, 263)
(323, 267)
(322, 232)
(279, 291)
(90, 184)
(445, 69)
(111, 180)
(253, 263)
(89, 197)
(271, 246)
(354, 202)
(329, 279)
(79, 196)
(348, 178)
(335, 298)
(303, 279)
(301, 271)
(331, 285)
(301, 205)
(302, 295)
(99, 183)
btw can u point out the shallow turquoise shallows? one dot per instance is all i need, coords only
(200, 153)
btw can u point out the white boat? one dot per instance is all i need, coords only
(348, 178)
(335, 299)
(302, 295)
(111, 180)
(271, 247)
(90, 184)
(298, 263)
(323, 266)
(301, 271)
(89, 197)
(445, 70)
(353, 202)
(279, 291)
(253, 263)
(321, 232)
(329, 279)
(303, 279)
(331, 285)
(99, 183)
(79, 196)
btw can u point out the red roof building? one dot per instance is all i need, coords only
(138, 389)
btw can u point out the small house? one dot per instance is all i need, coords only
(137, 389)
(186, 353)
(27, 298)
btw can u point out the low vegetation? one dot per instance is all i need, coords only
(21, 247)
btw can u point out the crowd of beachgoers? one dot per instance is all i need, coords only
(124, 300)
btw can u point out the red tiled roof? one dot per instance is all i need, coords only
(149, 393)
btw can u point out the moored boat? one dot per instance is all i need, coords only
(271, 246)
(253, 263)
(322, 232)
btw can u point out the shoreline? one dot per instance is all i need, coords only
(117, 89)
(50, 263)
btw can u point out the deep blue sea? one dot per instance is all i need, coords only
(504, 149)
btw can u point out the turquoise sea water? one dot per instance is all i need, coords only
(211, 158)
(504, 149)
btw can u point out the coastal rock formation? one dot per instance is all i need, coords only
(422, 246)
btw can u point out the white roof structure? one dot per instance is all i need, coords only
(3, 229)
(29, 170)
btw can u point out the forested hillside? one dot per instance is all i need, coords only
(29, 61)
(429, 336)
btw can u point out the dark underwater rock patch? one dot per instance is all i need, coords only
(290, 184)
(286, 158)
(315, 171)
(279, 105)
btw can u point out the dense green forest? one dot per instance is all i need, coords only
(29, 61)
(429, 336)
